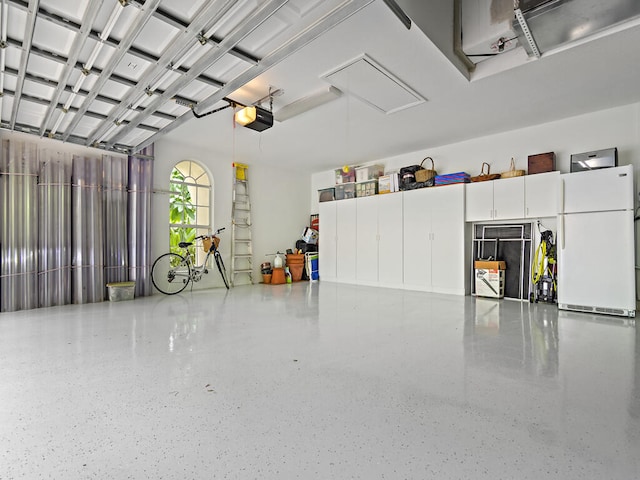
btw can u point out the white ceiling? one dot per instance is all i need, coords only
(591, 75)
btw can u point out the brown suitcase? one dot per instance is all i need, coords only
(542, 162)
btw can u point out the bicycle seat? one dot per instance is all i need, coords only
(185, 244)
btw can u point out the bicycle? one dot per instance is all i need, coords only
(171, 272)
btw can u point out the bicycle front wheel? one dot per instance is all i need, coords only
(170, 273)
(221, 269)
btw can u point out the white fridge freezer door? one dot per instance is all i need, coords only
(596, 190)
(596, 266)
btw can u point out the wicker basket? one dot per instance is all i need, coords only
(512, 172)
(483, 177)
(206, 242)
(424, 175)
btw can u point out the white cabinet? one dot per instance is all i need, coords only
(479, 201)
(508, 198)
(337, 243)
(367, 240)
(379, 240)
(434, 239)
(541, 194)
(501, 199)
(327, 246)
(346, 240)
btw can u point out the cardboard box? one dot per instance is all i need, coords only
(489, 282)
(490, 264)
(384, 184)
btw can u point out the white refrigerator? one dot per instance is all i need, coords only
(596, 247)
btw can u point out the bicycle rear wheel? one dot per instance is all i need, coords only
(221, 269)
(170, 273)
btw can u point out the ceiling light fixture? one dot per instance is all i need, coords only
(302, 105)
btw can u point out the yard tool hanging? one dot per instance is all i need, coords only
(543, 270)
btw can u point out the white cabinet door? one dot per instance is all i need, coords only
(367, 240)
(508, 198)
(448, 239)
(416, 230)
(479, 201)
(390, 240)
(346, 240)
(541, 194)
(327, 259)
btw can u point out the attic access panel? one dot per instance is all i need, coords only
(374, 85)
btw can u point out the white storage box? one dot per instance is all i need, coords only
(119, 291)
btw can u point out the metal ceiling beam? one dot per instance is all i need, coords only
(330, 20)
(209, 15)
(259, 16)
(24, 59)
(180, 25)
(111, 101)
(46, 102)
(134, 29)
(78, 43)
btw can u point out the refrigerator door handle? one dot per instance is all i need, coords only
(562, 230)
(561, 196)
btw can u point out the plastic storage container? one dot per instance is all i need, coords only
(120, 291)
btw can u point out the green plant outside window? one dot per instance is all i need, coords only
(189, 205)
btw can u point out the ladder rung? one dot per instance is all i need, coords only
(243, 255)
(248, 270)
(243, 240)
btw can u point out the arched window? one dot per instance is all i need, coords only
(189, 204)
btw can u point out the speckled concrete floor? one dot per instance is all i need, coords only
(317, 381)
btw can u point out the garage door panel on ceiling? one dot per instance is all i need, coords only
(52, 37)
(156, 36)
(183, 11)
(45, 68)
(30, 113)
(132, 68)
(38, 90)
(70, 9)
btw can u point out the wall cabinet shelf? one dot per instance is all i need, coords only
(501, 199)
(529, 196)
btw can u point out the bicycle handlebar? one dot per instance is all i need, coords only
(200, 237)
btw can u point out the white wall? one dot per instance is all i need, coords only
(617, 127)
(278, 203)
